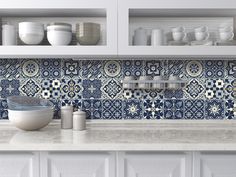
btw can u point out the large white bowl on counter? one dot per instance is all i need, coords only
(30, 119)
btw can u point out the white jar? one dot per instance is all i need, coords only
(79, 120)
(67, 117)
(8, 35)
(140, 37)
(157, 37)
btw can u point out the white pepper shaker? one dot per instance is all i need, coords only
(8, 35)
(67, 117)
(79, 120)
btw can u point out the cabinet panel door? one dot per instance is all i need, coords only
(215, 165)
(154, 164)
(78, 164)
(19, 164)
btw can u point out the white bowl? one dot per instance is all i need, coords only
(57, 38)
(59, 27)
(30, 120)
(31, 38)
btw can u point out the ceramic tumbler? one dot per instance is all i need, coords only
(8, 35)
(67, 117)
(140, 37)
(157, 37)
(79, 120)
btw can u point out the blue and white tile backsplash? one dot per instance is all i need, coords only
(95, 86)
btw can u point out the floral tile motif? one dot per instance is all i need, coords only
(133, 109)
(153, 68)
(91, 88)
(127, 67)
(135, 94)
(77, 103)
(194, 89)
(112, 109)
(230, 88)
(9, 68)
(194, 109)
(231, 68)
(133, 68)
(9, 87)
(71, 88)
(30, 68)
(30, 87)
(3, 109)
(194, 69)
(51, 68)
(214, 88)
(91, 69)
(51, 89)
(93, 108)
(169, 94)
(153, 109)
(153, 94)
(175, 67)
(214, 69)
(214, 109)
(111, 89)
(112, 69)
(173, 109)
(230, 109)
(71, 68)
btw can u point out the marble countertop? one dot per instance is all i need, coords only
(124, 136)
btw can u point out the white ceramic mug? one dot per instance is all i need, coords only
(226, 29)
(8, 35)
(178, 36)
(157, 37)
(178, 29)
(200, 36)
(201, 29)
(226, 36)
(140, 37)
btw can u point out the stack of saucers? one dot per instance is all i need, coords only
(59, 34)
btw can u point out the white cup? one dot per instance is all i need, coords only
(140, 37)
(8, 35)
(178, 29)
(226, 29)
(200, 36)
(159, 86)
(129, 85)
(201, 29)
(178, 36)
(144, 85)
(226, 36)
(174, 86)
(157, 37)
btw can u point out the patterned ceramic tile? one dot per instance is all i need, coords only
(3, 109)
(231, 68)
(71, 88)
(77, 103)
(173, 109)
(30, 68)
(175, 67)
(214, 69)
(153, 94)
(57, 106)
(112, 69)
(153, 109)
(135, 94)
(93, 108)
(214, 88)
(91, 88)
(169, 94)
(9, 87)
(9, 68)
(194, 89)
(153, 68)
(230, 88)
(51, 89)
(30, 87)
(214, 109)
(71, 68)
(111, 89)
(194, 109)
(51, 68)
(133, 68)
(194, 69)
(112, 109)
(230, 109)
(91, 69)
(133, 109)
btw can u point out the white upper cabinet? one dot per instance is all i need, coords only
(215, 164)
(78, 164)
(154, 164)
(19, 164)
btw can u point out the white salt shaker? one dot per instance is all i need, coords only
(79, 120)
(8, 35)
(67, 117)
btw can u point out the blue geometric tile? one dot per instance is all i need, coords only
(9, 68)
(230, 109)
(153, 68)
(133, 68)
(194, 89)
(137, 68)
(9, 87)
(135, 94)
(77, 103)
(231, 68)
(51, 68)
(194, 109)
(133, 109)
(91, 88)
(173, 109)
(169, 94)
(214, 109)
(214, 69)
(230, 91)
(91, 69)
(215, 88)
(93, 108)
(57, 107)
(71, 68)
(3, 109)
(111, 89)
(175, 67)
(112, 109)
(153, 109)
(152, 94)
(71, 88)
(30, 87)
(112, 69)
(30, 68)
(194, 69)
(51, 89)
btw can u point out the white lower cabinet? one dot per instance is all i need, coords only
(153, 164)
(216, 164)
(22, 164)
(77, 164)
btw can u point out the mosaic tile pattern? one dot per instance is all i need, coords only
(95, 86)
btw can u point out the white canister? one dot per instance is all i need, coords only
(79, 120)
(67, 117)
(140, 36)
(8, 35)
(157, 37)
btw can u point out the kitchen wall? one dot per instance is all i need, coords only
(95, 86)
